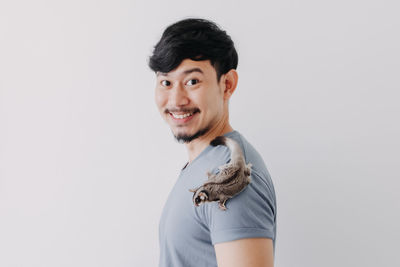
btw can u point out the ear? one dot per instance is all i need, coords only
(229, 82)
(203, 194)
(192, 190)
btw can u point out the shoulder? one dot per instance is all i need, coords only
(260, 190)
(252, 212)
(251, 155)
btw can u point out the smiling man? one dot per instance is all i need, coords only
(195, 64)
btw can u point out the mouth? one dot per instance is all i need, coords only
(182, 118)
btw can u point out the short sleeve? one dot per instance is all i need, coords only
(251, 213)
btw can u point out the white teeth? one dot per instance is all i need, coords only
(181, 116)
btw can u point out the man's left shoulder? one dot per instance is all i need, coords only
(250, 153)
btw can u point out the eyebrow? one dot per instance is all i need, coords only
(185, 72)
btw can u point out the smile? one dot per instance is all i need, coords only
(182, 117)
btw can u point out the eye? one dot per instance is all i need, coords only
(165, 83)
(192, 82)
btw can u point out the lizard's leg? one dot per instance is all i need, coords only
(222, 203)
(248, 180)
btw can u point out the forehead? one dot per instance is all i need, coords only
(188, 66)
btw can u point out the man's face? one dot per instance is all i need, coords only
(190, 99)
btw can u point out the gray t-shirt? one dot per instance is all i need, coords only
(187, 233)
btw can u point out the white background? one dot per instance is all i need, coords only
(86, 162)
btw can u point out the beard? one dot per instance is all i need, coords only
(185, 138)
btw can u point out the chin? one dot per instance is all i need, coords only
(188, 136)
(184, 136)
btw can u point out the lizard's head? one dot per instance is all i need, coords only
(199, 197)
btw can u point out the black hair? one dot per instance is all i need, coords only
(195, 39)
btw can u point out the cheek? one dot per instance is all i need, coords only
(213, 103)
(160, 99)
(201, 99)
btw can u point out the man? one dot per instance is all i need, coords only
(195, 64)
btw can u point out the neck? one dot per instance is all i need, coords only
(195, 147)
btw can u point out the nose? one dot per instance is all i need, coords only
(178, 96)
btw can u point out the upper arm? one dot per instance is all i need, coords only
(250, 214)
(244, 234)
(248, 252)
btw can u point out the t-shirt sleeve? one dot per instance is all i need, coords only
(251, 213)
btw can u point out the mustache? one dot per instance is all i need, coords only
(185, 110)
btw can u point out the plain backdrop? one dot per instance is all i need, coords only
(86, 161)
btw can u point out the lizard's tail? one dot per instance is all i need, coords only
(236, 150)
